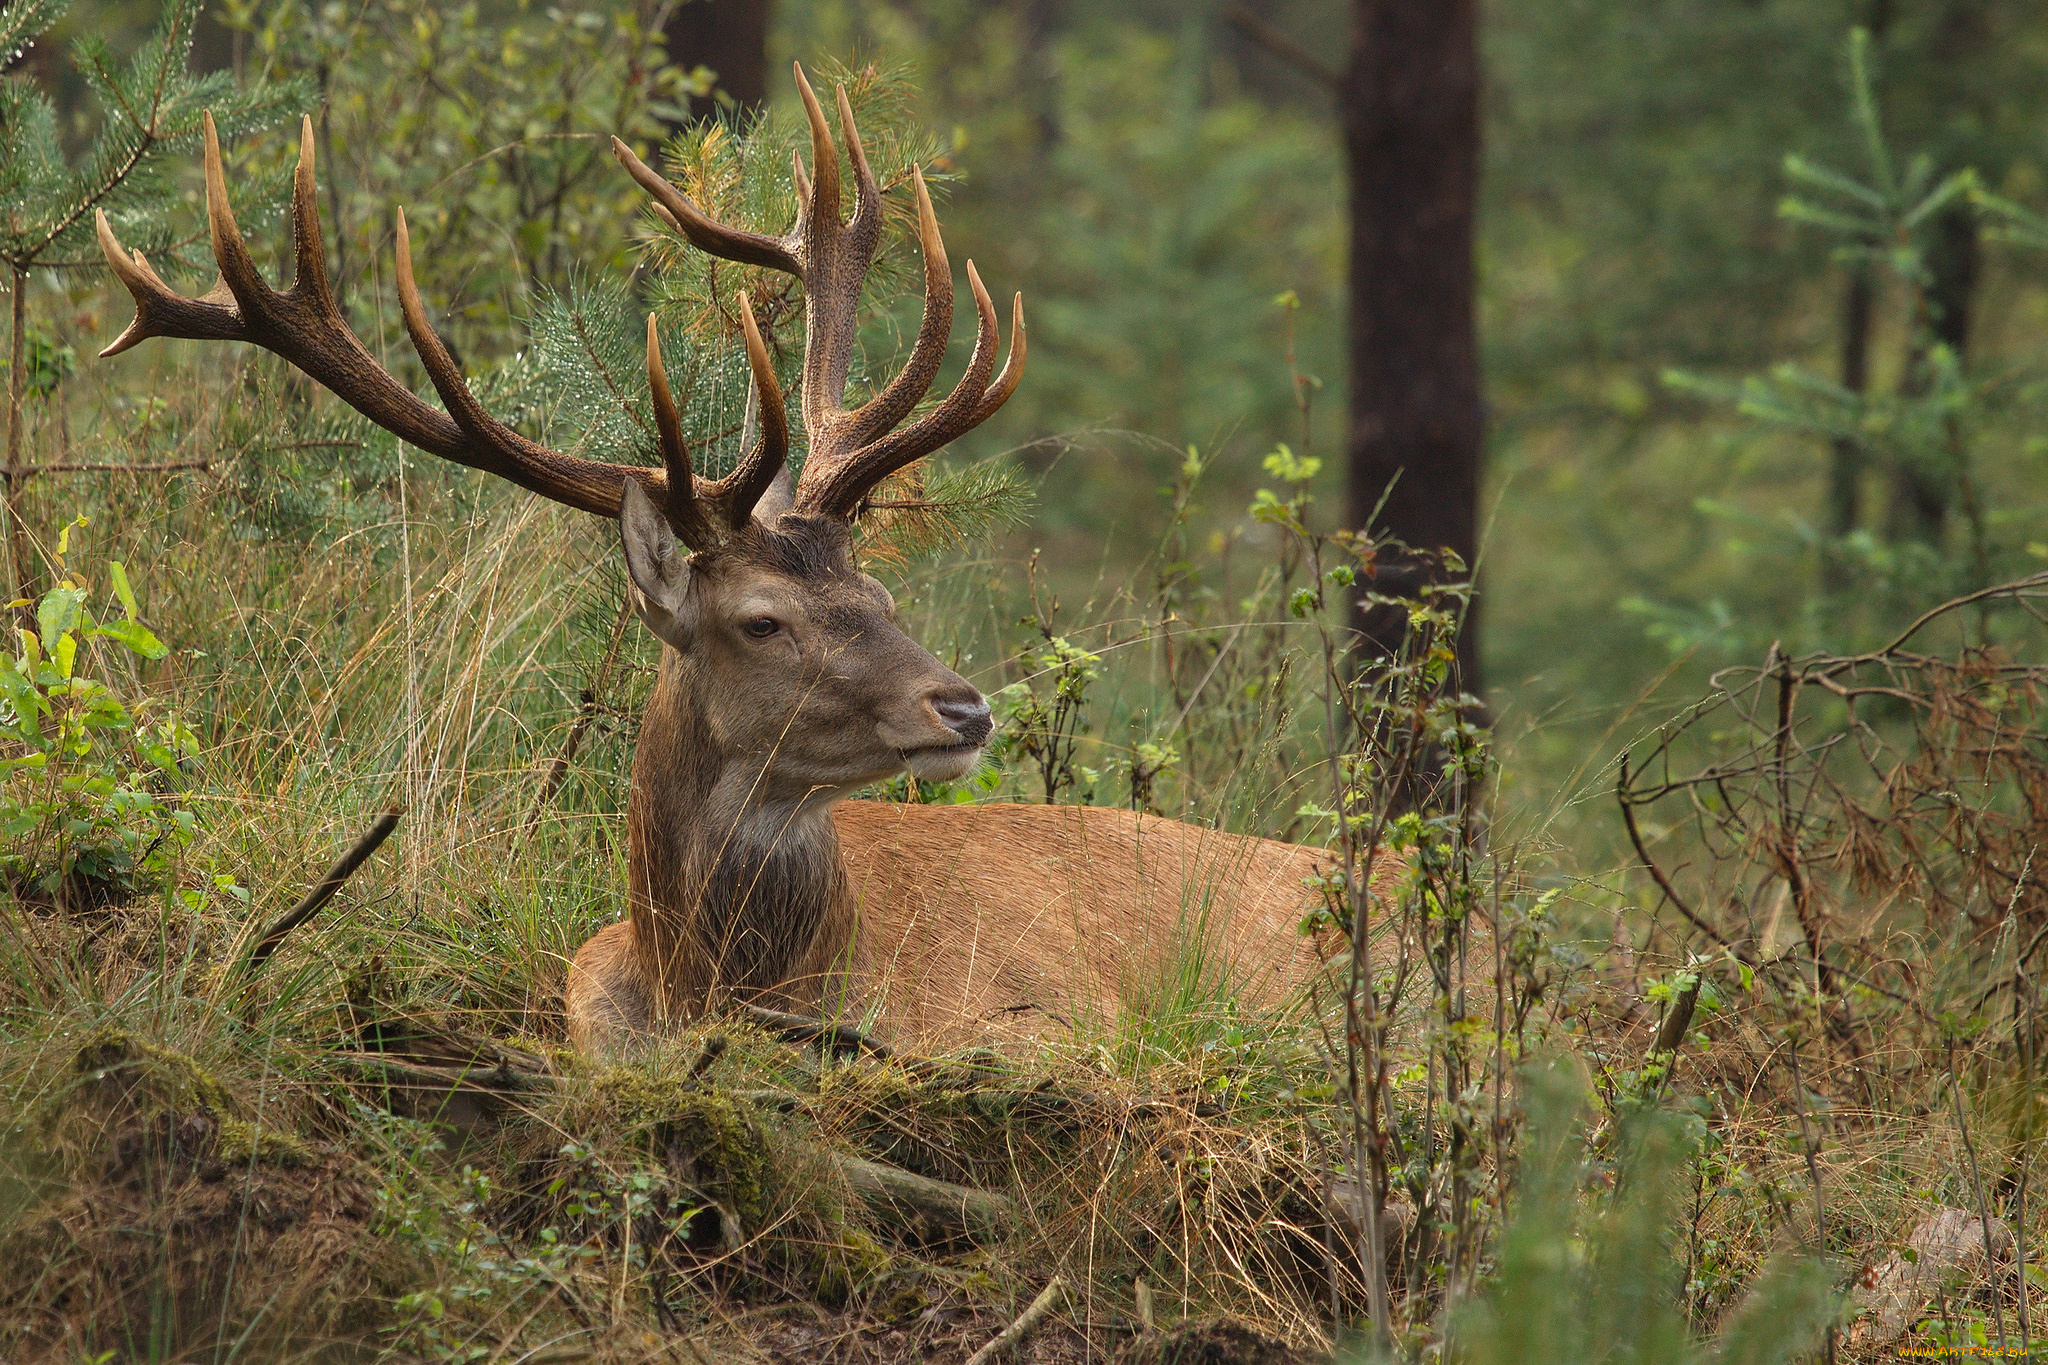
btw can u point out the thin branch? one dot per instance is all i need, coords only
(324, 890)
(1811, 1144)
(1026, 1322)
(2014, 588)
(111, 467)
(1277, 44)
(1955, 1090)
(800, 1028)
(1628, 816)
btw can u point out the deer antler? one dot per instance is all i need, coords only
(692, 502)
(850, 452)
(303, 325)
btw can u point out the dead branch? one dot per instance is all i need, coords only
(111, 467)
(1027, 1322)
(323, 891)
(1635, 836)
(943, 1210)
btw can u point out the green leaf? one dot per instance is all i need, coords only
(119, 574)
(135, 636)
(57, 613)
(1852, 225)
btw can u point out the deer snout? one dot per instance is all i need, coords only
(966, 716)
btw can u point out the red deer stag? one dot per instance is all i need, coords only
(785, 684)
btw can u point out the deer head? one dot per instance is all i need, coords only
(782, 647)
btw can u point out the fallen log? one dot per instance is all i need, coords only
(941, 1210)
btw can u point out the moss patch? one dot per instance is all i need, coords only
(129, 1071)
(711, 1139)
(238, 1141)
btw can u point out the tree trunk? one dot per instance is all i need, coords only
(1845, 467)
(1920, 498)
(1042, 22)
(1961, 34)
(1409, 100)
(215, 46)
(730, 37)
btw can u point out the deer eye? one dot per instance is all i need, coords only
(761, 627)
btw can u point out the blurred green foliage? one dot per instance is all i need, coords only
(1591, 1280)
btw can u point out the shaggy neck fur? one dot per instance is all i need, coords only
(731, 893)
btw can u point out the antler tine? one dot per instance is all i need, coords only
(158, 311)
(894, 403)
(310, 274)
(1013, 368)
(736, 493)
(849, 451)
(237, 271)
(825, 225)
(441, 368)
(802, 181)
(839, 489)
(867, 195)
(706, 233)
(303, 325)
(836, 257)
(683, 508)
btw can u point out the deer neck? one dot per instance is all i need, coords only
(736, 888)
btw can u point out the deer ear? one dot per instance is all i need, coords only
(658, 570)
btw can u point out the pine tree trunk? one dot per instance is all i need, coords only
(730, 37)
(1409, 100)
(1921, 500)
(1845, 467)
(1042, 22)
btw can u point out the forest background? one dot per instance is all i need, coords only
(1165, 184)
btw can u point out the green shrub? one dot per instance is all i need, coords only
(89, 783)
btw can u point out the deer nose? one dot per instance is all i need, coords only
(966, 716)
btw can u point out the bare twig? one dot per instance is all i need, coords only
(1788, 831)
(110, 467)
(2015, 588)
(1279, 45)
(324, 890)
(22, 568)
(1628, 816)
(2025, 1028)
(1026, 1323)
(482, 1076)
